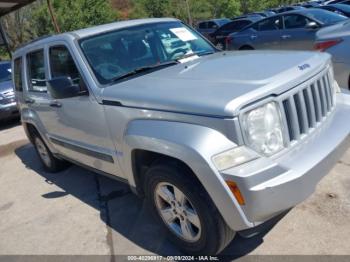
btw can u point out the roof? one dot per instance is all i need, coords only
(8, 6)
(82, 33)
(119, 25)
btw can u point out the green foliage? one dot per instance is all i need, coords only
(72, 15)
(34, 20)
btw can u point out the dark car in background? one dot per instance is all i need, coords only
(8, 105)
(219, 36)
(338, 8)
(210, 26)
(288, 9)
(292, 30)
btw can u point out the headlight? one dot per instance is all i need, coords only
(1, 97)
(263, 129)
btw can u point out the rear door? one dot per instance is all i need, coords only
(267, 33)
(76, 126)
(295, 35)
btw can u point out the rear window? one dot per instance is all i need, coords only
(36, 70)
(17, 65)
(325, 17)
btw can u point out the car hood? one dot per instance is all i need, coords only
(219, 84)
(334, 31)
(6, 87)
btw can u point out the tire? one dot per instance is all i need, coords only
(246, 48)
(49, 161)
(207, 233)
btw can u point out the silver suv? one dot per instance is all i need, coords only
(216, 142)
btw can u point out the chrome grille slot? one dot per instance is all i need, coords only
(307, 106)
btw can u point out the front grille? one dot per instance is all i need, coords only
(308, 106)
(7, 101)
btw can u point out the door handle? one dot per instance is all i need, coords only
(29, 101)
(55, 104)
(286, 36)
(253, 37)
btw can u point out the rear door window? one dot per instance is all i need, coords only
(270, 24)
(17, 65)
(36, 71)
(295, 21)
(202, 25)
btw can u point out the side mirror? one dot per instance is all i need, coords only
(312, 26)
(63, 87)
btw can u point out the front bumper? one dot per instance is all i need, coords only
(273, 185)
(9, 111)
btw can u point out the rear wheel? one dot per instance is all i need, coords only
(49, 161)
(246, 47)
(185, 210)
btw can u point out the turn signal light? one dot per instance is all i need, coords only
(236, 192)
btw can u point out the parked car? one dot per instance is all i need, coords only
(310, 5)
(219, 36)
(8, 105)
(208, 27)
(216, 142)
(263, 13)
(288, 9)
(247, 16)
(338, 8)
(333, 2)
(292, 30)
(336, 41)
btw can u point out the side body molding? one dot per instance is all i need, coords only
(194, 145)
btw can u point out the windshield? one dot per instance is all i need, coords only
(118, 53)
(326, 17)
(5, 72)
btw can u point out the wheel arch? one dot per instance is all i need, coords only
(190, 145)
(246, 47)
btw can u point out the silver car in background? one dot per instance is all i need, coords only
(336, 41)
(8, 105)
(294, 30)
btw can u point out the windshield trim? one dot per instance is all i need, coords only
(78, 41)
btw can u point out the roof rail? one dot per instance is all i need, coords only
(33, 41)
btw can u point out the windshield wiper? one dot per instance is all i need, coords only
(203, 53)
(143, 69)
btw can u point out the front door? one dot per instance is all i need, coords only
(296, 35)
(267, 34)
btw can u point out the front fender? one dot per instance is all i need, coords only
(194, 145)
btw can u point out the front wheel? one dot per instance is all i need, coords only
(185, 210)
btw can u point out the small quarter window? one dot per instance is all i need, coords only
(36, 70)
(17, 65)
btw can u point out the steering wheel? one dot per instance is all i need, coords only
(107, 70)
(178, 51)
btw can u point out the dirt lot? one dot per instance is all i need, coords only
(77, 212)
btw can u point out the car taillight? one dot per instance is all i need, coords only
(228, 41)
(324, 45)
